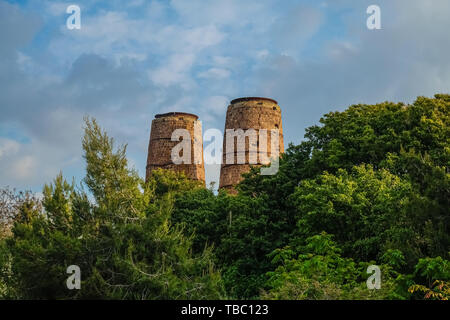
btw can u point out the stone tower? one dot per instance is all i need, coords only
(161, 145)
(248, 113)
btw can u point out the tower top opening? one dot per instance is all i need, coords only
(174, 114)
(251, 99)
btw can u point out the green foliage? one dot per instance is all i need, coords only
(123, 241)
(16, 206)
(411, 141)
(320, 272)
(439, 291)
(241, 230)
(6, 280)
(431, 269)
(367, 211)
(432, 277)
(394, 258)
(374, 176)
(115, 187)
(369, 185)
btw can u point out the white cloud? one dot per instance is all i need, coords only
(178, 105)
(215, 73)
(262, 54)
(56, 8)
(175, 71)
(216, 105)
(232, 13)
(126, 64)
(24, 168)
(405, 59)
(34, 163)
(135, 3)
(8, 147)
(292, 31)
(341, 49)
(202, 37)
(222, 61)
(111, 33)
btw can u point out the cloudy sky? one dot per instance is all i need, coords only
(133, 59)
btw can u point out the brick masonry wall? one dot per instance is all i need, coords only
(160, 144)
(248, 113)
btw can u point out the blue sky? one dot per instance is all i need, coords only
(133, 59)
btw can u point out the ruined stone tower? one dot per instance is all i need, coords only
(248, 113)
(161, 145)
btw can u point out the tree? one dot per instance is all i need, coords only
(410, 142)
(374, 176)
(242, 231)
(318, 271)
(439, 291)
(369, 185)
(384, 135)
(122, 241)
(11, 203)
(367, 211)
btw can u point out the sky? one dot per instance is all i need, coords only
(133, 59)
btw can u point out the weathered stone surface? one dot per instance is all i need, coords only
(249, 113)
(160, 145)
